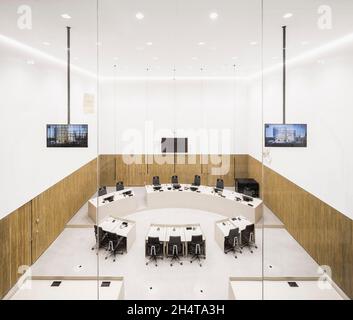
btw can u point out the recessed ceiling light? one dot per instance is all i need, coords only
(194, 58)
(288, 15)
(66, 16)
(253, 43)
(98, 44)
(155, 58)
(139, 15)
(320, 61)
(140, 48)
(305, 43)
(149, 43)
(213, 15)
(116, 58)
(46, 43)
(201, 43)
(31, 62)
(234, 58)
(274, 58)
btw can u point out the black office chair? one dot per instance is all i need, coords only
(114, 245)
(154, 250)
(232, 242)
(220, 184)
(175, 182)
(197, 249)
(197, 181)
(156, 183)
(101, 238)
(102, 191)
(248, 238)
(120, 186)
(175, 248)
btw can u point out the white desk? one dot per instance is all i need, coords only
(121, 227)
(164, 232)
(69, 289)
(228, 203)
(223, 227)
(157, 231)
(121, 205)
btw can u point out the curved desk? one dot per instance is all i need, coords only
(116, 204)
(226, 203)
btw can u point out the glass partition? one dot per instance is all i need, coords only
(49, 167)
(307, 58)
(178, 71)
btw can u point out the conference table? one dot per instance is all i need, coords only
(224, 202)
(115, 204)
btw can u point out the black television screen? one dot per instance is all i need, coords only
(286, 135)
(67, 136)
(174, 145)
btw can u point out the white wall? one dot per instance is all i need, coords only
(184, 106)
(31, 97)
(321, 95)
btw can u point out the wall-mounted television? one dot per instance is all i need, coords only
(67, 136)
(174, 145)
(286, 135)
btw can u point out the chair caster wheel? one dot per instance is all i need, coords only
(146, 263)
(255, 247)
(171, 265)
(106, 258)
(200, 265)
(190, 261)
(226, 252)
(114, 260)
(235, 257)
(252, 251)
(181, 263)
(156, 265)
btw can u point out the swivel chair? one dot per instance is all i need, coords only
(175, 248)
(120, 186)
(232, 242)
(154, 250)
(248, 238)
(197, 249)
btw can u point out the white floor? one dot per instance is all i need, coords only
(278, 255)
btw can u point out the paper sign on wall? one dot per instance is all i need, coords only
(88, 103)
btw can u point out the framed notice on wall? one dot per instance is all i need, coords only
(88, 103)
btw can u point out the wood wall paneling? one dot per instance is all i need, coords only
(161, 165)
(15, 246)
(5, 265)
(241, 164)
(187, 166)
(224, 164)
(322, 231)
(107, 170)
(53, 208)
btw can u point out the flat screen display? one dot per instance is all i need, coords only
(286, 135)
(174, 145)
(67, 136)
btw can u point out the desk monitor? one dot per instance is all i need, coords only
(286, 135)
(67, 136)
(109, 199)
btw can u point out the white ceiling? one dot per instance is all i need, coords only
(175, 28)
